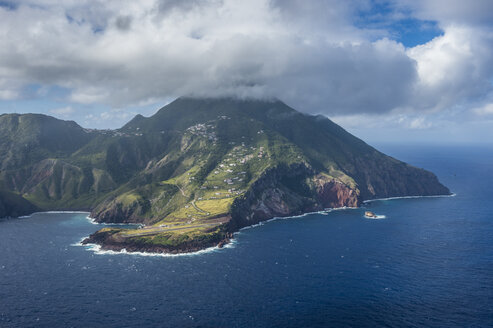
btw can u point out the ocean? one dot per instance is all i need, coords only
(427, 262)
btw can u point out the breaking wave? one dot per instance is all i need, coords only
(99, 251)
(408, 197)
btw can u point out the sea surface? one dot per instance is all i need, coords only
(428, 263)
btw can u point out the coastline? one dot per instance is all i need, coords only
(52, 212)
(322, 212)
(407, 197)
(98, 249)
(101, 250)
(228, 242)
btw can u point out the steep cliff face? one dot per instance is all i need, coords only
(118, 210)
(381, 176)
(194, 161)
(333, 194)
(13, 205)
(291, 190)
(270, 196)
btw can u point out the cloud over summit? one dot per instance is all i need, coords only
(308, 53)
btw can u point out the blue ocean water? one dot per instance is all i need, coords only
(429, 263)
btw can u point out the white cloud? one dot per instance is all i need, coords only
(6, 94)
(451, 12)
(419, 123)
(453, 68)
(310, 54)
(63, 111)
(380, 121)
(253, 48)
(485, 110)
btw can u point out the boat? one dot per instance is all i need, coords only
(370, 214)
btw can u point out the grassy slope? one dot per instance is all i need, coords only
(212, 172)
(186, 164)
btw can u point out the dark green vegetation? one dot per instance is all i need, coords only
(12, 204)
(195, 171)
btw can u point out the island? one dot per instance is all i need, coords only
(195, 172)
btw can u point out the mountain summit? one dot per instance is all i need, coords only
(198, 170)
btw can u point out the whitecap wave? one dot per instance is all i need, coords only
(231, 244)
(64, 212)
(261, 223)
(408, 197)
(253, 225)
(97, 249)
(79, 243)
(377, 217)
(343, 208)
(323, 212)
(92, 220)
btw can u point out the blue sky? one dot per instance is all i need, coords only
(400, 26)
(399, 70)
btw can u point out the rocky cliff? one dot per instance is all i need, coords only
(13, 205)
(196, 171)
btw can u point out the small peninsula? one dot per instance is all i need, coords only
(195, 172)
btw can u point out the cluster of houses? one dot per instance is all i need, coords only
(203, 130)
(231, 164)
(239, 156)
(261, 152)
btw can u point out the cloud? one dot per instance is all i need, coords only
(419, 123)
(453, 68)
(378, 122)
(451, 12)
(486, 110)
(123, 22)
(63, 111)
(310, 54)
(108, 118)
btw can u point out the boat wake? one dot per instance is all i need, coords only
(376, 217)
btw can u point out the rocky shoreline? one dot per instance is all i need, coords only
(129, 248)
(175, 172)
(267, 198)
(106, 242)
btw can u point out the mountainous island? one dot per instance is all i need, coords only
(195, 172)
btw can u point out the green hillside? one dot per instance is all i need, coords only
(198, 170)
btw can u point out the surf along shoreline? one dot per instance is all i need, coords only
(101, 248)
